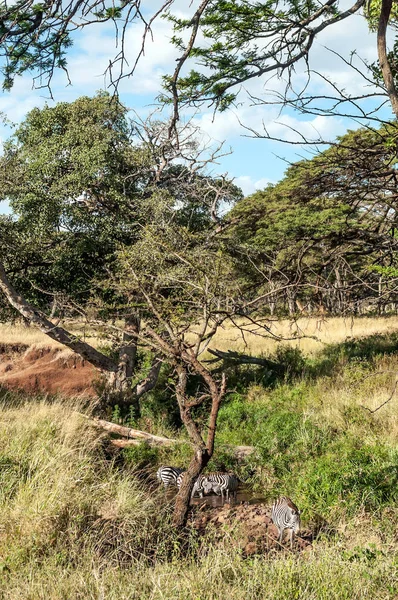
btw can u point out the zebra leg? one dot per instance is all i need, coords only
(291, 538)
(280, 537)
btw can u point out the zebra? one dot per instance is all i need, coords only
(168, 475)
(220, 484)
(285, 515)
(198, 485)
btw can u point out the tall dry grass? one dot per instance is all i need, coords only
(62, 500)
(31, 336)
(309, 334)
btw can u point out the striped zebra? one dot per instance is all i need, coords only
(221, 484)
(168, 475)
(198, 485)
(285, 515)
(218, 483)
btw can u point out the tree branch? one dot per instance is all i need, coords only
(97, 359)
(382, 53)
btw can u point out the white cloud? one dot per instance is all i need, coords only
(95, 45)
(248, 185)
(266, 121)
(289, 128)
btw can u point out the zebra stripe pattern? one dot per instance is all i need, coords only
(285, 515)
(218, 483)
(168, 475)
(197, 488)
(221, 484)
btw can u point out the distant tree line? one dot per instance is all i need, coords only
(324, 239)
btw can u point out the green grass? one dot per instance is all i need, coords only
(78, 520)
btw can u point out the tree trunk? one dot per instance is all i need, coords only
(385, 66)
(203, 451)
(291, 301)
(120, 386)
(196, 466)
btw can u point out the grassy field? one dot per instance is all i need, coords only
(310, 334)
(78, 521)
(19, 334)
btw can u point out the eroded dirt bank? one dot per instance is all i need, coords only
(45, 369)
(257, 533)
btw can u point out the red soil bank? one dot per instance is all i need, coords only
(257, 533)
(44, 369)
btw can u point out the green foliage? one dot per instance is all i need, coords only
(56, 157)
(235, 47)
(331, 467)
(347, 477)
(36, 38)
(326, 224)
(372, 13)
(142, 456)
(105, 231)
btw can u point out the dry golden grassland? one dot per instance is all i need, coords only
(310, 334)
(31, 336)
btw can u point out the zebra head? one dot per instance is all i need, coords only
(293, 515)
(207, 486)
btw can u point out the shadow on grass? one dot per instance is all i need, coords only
(294, 365)
(365, 348)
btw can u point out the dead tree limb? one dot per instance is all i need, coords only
(59, 334)
(128, 432)
(245, 359)
(136, 437)
(394, 389)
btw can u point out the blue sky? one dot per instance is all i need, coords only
(253, 162)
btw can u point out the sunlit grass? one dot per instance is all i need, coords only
(31, 336)
(78, 521)
(309, 334)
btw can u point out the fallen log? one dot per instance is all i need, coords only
(244, 359)
(121, 443)
(239, 451)
(136, 437)
(129, 432)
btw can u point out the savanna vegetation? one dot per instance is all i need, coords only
(79, 521)
(120, 227)
(204, 312)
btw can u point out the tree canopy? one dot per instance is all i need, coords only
(328, 231)
(241, 41)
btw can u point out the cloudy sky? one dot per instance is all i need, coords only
(253, 162)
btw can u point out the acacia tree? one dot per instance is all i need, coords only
(123, 229)
(243, 41)
(82, 183)
(325, 234)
